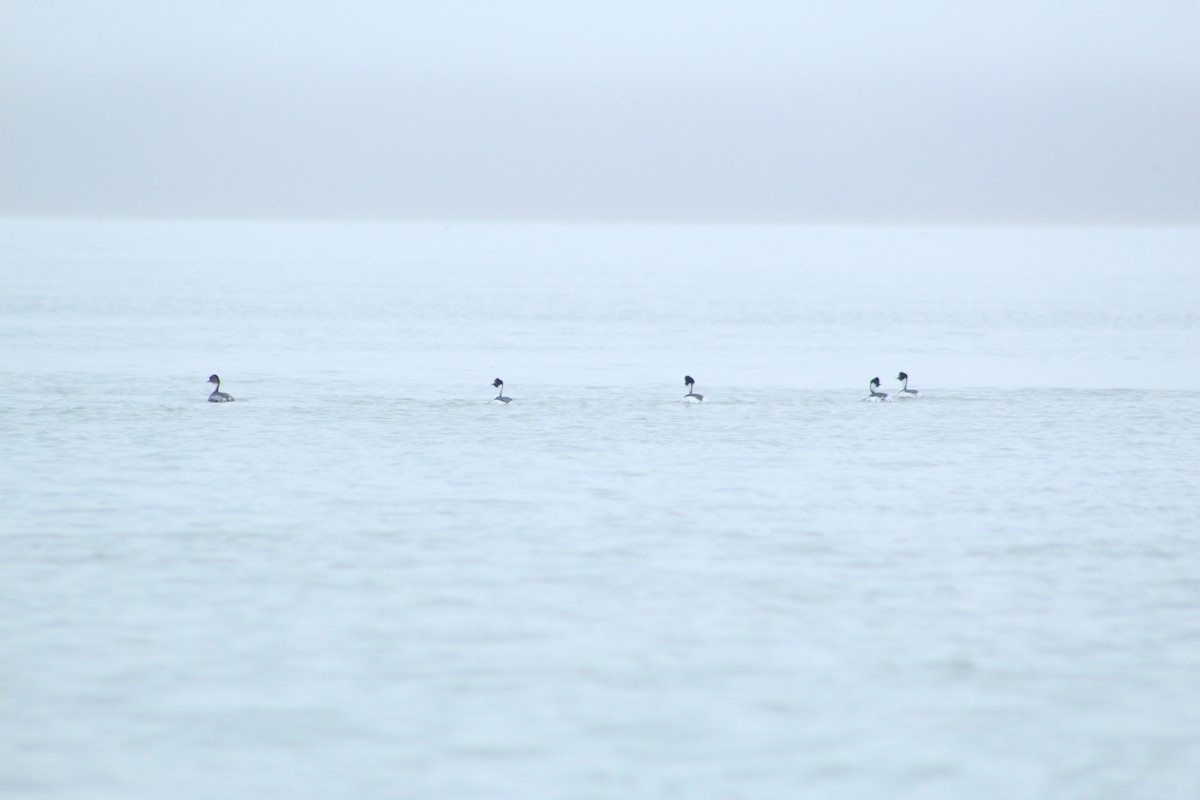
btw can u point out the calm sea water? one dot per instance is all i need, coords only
(363, 580)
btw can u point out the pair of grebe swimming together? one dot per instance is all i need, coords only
(904, 394)
(218, 396)
(688, 381)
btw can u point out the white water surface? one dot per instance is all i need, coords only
(363, 580)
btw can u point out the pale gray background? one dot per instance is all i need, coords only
(929, 111)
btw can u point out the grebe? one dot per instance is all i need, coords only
(906, 392)
(500, 398)
(691, 396)
(876, 395)
(217, 395)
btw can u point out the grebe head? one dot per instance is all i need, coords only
(497, 383)
(214, 379)
(874, 383)
(689, 381)
(903, 376)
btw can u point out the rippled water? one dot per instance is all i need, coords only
(361, 579)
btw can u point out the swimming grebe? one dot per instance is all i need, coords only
(874, 394)
(217, 395)
(691, 396)
(500, 398)
(906, 392)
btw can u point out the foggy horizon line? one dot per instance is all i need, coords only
(968, 221)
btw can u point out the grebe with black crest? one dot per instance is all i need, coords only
(906, 392)
(500, 398)
(691, 396)
(875, 394)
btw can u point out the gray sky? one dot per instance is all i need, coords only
(777, 111)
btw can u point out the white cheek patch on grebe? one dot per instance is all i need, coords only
(876, 396)
(500, 398)
(691, 396)
(217, 395)
(906, 393)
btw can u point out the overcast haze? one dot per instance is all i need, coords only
(809, 112)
